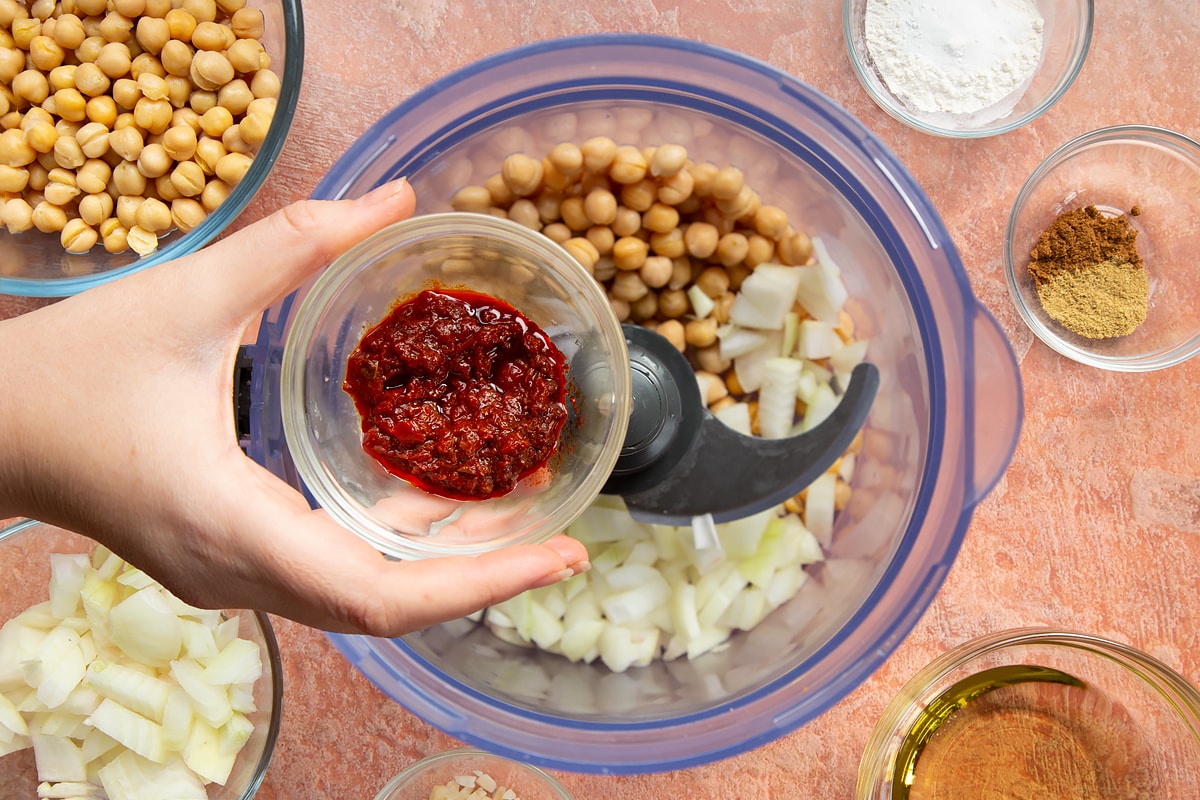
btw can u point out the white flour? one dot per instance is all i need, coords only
(957, 57)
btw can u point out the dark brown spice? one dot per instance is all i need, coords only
(1080, 239)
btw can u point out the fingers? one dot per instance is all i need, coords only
(261, 263)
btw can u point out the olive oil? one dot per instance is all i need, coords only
(1021, 733)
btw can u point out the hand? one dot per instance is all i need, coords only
(116, 420)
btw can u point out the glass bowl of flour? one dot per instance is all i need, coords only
(967, 68)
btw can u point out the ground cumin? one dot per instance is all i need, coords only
(1088, 274)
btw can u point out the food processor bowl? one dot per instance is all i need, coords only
(942, 428)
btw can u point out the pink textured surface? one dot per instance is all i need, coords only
(1096, 524)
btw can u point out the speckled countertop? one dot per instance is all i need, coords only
(1096, 524)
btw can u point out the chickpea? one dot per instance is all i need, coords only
(142, 241)
(247, 23)
(676, 189)
(629, 254)
(759, 250)
(47, 217)
(701, 332)
(216, 121)
(574, 215)
(628, 165)
(770, 221)
(187, 213)
(549, 207)
(471, 198)
(672, 331)
(557, 232)
(620, 308)
(732, 249)
(202, 10)
(93, 176)
(642, 310)
(208, 154)
(12, 62)
(668, 160)
(567, 159)
(727, 183)
(188, 179)
(582, 251)
(114, 61)
(115, 239)
(602, 238)
(246, 55)
(628, 286)
(17, 215)
(656, 271)
(211, 70)
(710, 359)
(524, 212)
(185, 117)
(598, 153)
(795, 249)
(600, 207)
(176, 58)
(126, 93)
(70, 105)
(69, 32)
(265, 83)
(41, 136)
(701, 239)
(45, 53)
(67, 152)
(128, 180)
(78, 237)
(126, 142)
(62, 77)
(153, 215)
(237, 97)
(95, 208)
(179, 91)
(681, 273)
(31, 86)
(522, 174)
(660, 218)
(24, 31)
(233, 167)
(639, 195)
(13, 179)
(152, 33)
(673, 303)
(669, 244)
(627, 223)
(215, 192)
(713, 281)
(164, 190)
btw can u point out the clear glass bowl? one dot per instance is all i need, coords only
(1122, 723)
(416, 782)
(34, 263)
(945, 418)
(1115, 169)
(1066, 36)
(495, 257)
(25, 549)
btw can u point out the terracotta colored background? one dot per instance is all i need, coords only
(1096, 525)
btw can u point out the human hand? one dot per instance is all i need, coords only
(117, 422)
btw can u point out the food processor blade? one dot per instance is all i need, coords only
(680, 462)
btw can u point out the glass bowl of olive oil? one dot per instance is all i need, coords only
(1037, 713)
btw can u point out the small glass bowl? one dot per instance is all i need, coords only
(1066, 37)
(34, 264)
(527, 781)
(1123, 723)
(1116, 169)
(25, 549)
(483, 254)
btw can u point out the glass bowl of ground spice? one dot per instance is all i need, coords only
(1101, 248)
(1036, 712)
(963, 68)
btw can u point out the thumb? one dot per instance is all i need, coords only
(263, 262)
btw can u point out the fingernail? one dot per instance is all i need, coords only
(382, 194)
(577, 568)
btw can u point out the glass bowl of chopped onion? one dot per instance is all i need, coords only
(967, 70)
(467, 773)
(1037, 712)
(209, 103)
(112, 687)
(1100, 249)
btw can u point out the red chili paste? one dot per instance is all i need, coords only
(459, 394)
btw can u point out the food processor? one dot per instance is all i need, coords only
(940, 429)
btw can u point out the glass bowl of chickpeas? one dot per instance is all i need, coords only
(133, 132)
(680, 175)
